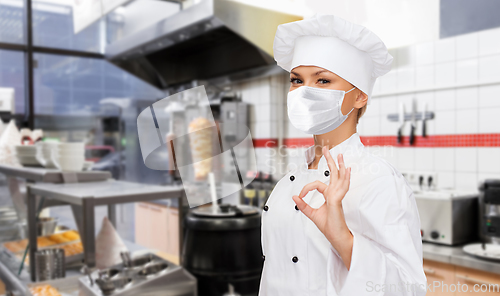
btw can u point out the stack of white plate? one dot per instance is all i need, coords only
(69, 156)
(26, 154)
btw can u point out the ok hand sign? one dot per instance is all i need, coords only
(329, 218)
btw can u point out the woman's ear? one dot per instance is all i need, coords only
(361, 100)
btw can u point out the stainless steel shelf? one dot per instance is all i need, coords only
(456, 256)
(51, 175)
(105, 193)
(84, 197)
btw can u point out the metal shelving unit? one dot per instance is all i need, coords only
(84, 197)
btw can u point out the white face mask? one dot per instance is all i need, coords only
(316, 110)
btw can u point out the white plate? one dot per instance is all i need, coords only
(491, 252)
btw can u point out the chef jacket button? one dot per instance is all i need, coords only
(292, 178)
(327, 173)
(263, 257)
(296, 207)
(266, 208)
(295, 259)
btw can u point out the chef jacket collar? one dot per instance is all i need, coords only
(350, 148)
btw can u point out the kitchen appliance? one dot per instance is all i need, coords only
(145, 275)
(489, 252)
(489, 211)
(209, 39)
(447, 217)
(223, 247)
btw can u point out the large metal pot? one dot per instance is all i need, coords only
(222, 246)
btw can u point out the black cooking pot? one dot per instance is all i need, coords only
(222, 246)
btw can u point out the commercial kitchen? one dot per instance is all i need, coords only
(107, 109)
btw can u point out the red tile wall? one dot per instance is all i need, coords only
(464, 140)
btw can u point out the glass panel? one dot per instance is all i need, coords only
(91, 100)
(70, 85)
(11, 21)
(12, 81)
(53, 27)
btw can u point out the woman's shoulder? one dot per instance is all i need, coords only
(373, 167)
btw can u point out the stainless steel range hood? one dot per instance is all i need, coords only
(209, 39)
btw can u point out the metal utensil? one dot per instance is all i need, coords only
(413, 121)
(231, 291)
(401, 120)
(46, 225)
(86, 270)
(50, 264)
(127, 261)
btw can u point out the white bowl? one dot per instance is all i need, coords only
(72, 146)
(69, 153)
(69, 163)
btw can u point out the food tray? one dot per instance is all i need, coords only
(65, 286)
(78, 257)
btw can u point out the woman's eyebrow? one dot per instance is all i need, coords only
(315, 74)
(319, 72)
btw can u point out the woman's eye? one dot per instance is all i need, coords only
(323, 81)
(295, 80)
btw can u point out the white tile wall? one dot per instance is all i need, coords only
(489, 68)
(424, 159)
(444, 159)
(424, 76)
(488, 160)
(444, 123)
(467, 98)
(466, 159)
(467, 46)
(425, 53)
(489, 120)
(445, 99)
(445, 50)
(467, 71)
(489, 42)
(466, 181)
(488, 96)
(467, 121)
(445, 74)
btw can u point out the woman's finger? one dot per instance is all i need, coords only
(347, 179)
(334, 173)
(340, 159)
(304, 207)
(318, 185)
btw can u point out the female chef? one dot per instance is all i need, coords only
(343, 222)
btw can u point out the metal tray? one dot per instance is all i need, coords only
(68, 259)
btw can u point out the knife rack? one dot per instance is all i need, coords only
(408, 116)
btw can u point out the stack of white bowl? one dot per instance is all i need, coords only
(26, 154)
(44, 153)
(69, 156)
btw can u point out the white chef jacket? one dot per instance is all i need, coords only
(380, 211)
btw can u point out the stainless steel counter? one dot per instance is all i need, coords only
(20, 283)
(456, 256)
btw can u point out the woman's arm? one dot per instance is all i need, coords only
(343, 240)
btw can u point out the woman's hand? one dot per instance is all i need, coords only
(329, 218)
